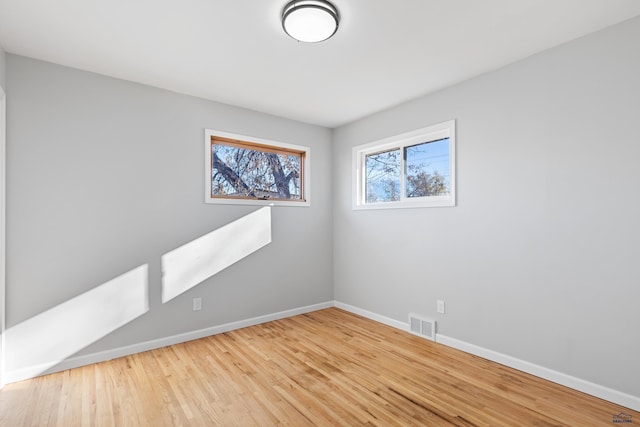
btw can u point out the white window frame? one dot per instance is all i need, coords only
(306, 171)
(418, 136)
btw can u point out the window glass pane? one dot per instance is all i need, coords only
(252, 173)
(382, 177)
(427, 169)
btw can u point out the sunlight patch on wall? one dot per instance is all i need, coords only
(196, 261)
(53, 335)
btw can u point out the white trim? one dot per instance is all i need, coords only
(430, 133)
(373, 316)
(606, 393)
(602, 392)
(615, 396)
(3, 151)
(78, 361)
(306, 171)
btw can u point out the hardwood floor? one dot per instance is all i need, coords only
(328, 367)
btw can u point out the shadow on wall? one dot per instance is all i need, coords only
(47, 339)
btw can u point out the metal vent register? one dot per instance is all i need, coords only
(422, 326)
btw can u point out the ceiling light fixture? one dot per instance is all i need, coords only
(310, 20)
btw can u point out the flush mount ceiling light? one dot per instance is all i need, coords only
(310, 20)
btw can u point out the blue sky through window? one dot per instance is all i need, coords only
(426, 172)
(428, 159)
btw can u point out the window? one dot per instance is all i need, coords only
(245, 170)
(415, 169)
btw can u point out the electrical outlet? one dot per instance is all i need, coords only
(197, 304)
(440, 306)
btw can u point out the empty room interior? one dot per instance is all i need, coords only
(217, 213)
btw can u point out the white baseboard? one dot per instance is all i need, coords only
(617, 397)
(611, 395)
(602, 392)
(373, 316)
(78, 361)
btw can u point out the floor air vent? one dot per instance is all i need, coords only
(421, 326)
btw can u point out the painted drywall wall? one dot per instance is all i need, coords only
(2, 208)
(539, 259)
(3, 61)
(106, 176)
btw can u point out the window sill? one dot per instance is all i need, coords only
(251, 202)
(444, 202)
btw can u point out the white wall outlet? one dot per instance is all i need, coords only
(197, 304)
(440, 306)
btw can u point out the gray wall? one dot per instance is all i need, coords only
(105, 175)
(2, 207)
(3, 61)
(539, 259)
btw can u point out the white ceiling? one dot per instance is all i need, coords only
(234, 51)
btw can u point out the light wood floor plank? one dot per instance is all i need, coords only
(328, 367)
